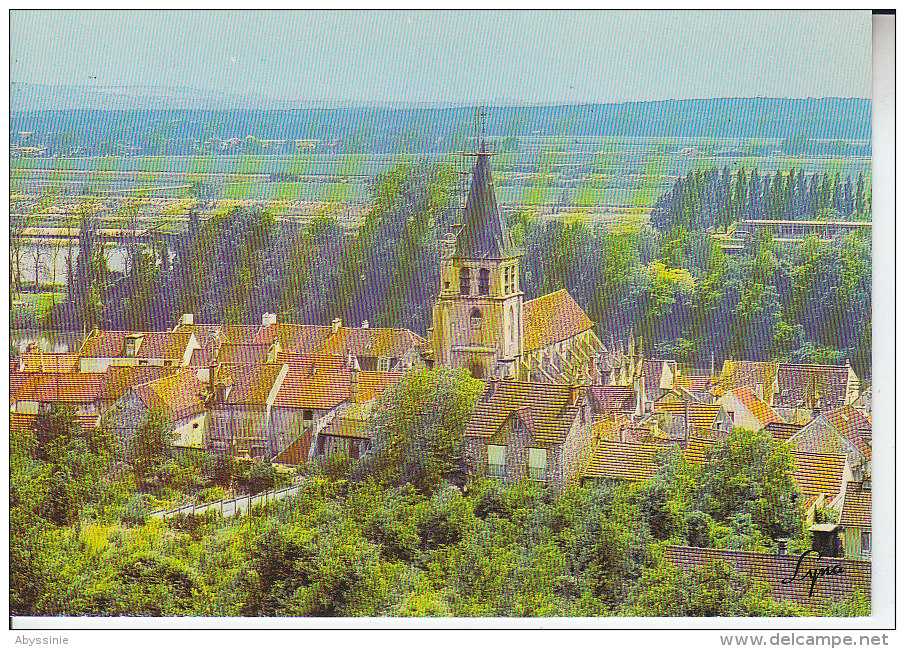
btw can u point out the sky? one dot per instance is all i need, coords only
(521, 57)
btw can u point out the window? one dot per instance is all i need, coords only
(476, 318)
(865, 543)
(496, 460)
(512, 323)
(507, 280)
(383, 364)
(537, 464)
(464, 281)
(484, 282)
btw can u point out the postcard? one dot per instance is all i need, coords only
(444, 319)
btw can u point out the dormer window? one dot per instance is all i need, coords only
(132, 343)
(484, 282)
(464, 281)
(383, 364)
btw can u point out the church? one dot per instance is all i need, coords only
(481, 320)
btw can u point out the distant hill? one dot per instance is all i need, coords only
(137, 114)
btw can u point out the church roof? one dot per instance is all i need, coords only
(484, 234)
(553, 318)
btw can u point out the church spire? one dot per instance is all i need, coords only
(484, 234)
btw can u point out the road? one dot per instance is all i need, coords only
(232, 506)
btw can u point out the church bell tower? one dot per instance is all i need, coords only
(477, 316)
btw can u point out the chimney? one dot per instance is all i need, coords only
(353, 386)
(573, 394)
(781, 545)
(492, 384)
(350, 359)
(268, 319)
(187, 319)
(337, 323)
(365, 324)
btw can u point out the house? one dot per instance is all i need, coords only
(747, 410)
(825, 387)
(605, 399)
(375, 349)
(120, 378)
(759, 376)
(659, 375)
(614, 462)
(854, 521)
(481, 321)
(529, 430)
(685, 419)
(779, 572)
(39, 391)
(239, 407)
(818, 474)
(102, 349)
(49, 362)
(862, 403)
(843, 430)
(311, 394)
(180, 397)
(781, 430)
(346, 433)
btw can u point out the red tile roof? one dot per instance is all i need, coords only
(122, 377)
(296, 339)
(779, 571)
(48, 362)
(392, 343)
(179, 395)
(19, 421)
(797, 384)
(297, 452)
(702, 415)
(853, 425)
(251, 384)
(697, 449)
(154, 344)
(551, 411)
(607, 398)
(551, 319)
(242, 353)
(622, 461)
(70, 387)
(857, 506)
(782, 431)
(319, 382)
(694, 383)
(817, 473)
(757, 407)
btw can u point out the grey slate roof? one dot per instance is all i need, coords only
(484, 234)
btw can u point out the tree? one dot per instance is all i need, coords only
(151, 446)
(749, 474)
(418, 426)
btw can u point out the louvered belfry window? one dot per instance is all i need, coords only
(464, 282)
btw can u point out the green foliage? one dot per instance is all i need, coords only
(747, 486)
(151, 447)
(417, 429)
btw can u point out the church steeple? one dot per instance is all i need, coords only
(484, 235)
(478, 321)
